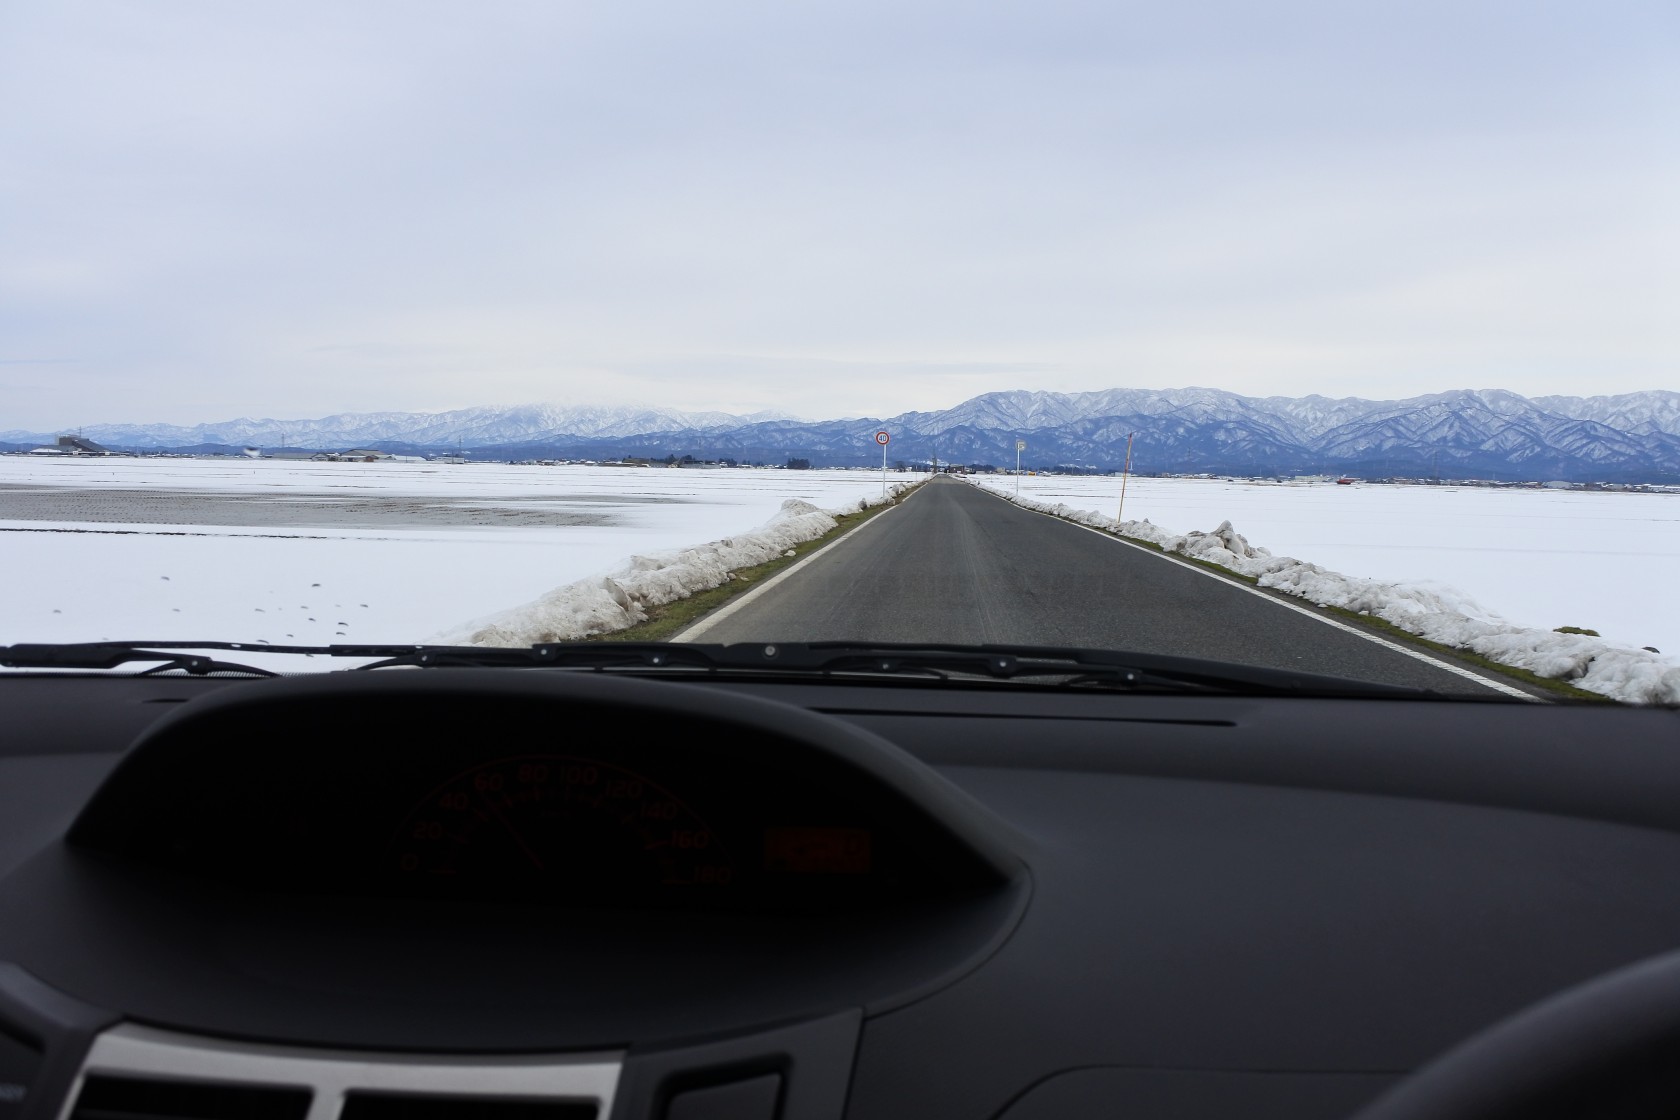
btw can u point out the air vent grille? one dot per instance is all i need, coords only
(134, 1098)
(405, 1106)
(135, 1072)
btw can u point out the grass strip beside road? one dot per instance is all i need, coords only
(672, 618)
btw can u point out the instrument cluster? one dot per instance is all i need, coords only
(521, 799)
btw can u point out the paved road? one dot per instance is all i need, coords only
(956, 564)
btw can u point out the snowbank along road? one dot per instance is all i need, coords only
(968, 566)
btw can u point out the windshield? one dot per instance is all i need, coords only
(1321, 339)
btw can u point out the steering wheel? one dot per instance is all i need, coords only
(1608, 1049)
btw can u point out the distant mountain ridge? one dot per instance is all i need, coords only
(1459, 434)
(485, 426)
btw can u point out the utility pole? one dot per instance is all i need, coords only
(1125, 474)
(1020, 446)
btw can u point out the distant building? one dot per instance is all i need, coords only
(76, 445)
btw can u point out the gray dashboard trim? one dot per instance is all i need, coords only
(138, 1051)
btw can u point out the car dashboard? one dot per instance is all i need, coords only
(508, 894)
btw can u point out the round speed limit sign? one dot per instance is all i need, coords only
(882, 438)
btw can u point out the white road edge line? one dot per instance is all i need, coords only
(1497, 686)
(699, 627)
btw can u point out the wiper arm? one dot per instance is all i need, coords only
(112, 655)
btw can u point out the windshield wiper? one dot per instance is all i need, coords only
(112, 655)
(179, 656)
(1063, 667)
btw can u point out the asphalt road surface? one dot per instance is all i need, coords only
(955, 564)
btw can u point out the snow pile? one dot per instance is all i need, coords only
(621, 598)
(1431, 611)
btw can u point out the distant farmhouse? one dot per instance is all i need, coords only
(353, 455)
(373, 455)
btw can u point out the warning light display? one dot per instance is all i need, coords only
(817, 851)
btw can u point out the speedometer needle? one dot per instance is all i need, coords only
(513, 833)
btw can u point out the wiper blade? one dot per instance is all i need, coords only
(1065, 666)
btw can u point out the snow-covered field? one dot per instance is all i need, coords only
(293, 582)
(1522, 559)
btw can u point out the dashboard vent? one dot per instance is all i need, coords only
(405, 1106)
(134, 1098)
(135, 1072)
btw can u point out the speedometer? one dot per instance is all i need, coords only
(551, 824)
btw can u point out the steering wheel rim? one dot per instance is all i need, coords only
(1608, 1049)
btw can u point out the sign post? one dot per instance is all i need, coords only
(1020, 446)
(1124, 475)
(882, 438)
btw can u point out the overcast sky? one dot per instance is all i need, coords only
(211, 209)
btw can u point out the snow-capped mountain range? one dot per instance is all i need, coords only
(477, 427)
(1459, 434)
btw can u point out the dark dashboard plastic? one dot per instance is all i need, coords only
(1161, 905)
(551, 790)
